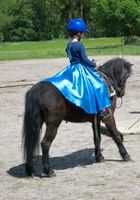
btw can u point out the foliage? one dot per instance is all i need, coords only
(33, 20)
(117, 18)
(4, 15)
(21, 25)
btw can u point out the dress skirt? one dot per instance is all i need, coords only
(82, 86)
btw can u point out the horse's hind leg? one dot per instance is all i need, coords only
(97, 139)
(49, 136)
(111, 126)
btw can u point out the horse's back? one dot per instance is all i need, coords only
(54, 105)
(50, 100)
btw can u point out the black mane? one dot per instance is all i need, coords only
(114, 67)
(117, 71)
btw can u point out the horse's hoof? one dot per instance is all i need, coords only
(49, 174)
(127, 158)
(99, 159)
(30, 171)
(30, 175)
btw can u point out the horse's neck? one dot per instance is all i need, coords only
(109, 79)
(105, 77)
(103, 74)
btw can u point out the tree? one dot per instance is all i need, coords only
(55, 22)
(5, 18)
(117, 18)
(46, 19)
(20, 26)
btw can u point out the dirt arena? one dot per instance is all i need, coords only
(72, 152)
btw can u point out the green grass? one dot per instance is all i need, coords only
(56, 48)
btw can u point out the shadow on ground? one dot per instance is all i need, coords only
(82, 157)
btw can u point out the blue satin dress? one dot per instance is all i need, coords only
(80, 83)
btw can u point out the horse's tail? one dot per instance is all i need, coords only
(31, 128)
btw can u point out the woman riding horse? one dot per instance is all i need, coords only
(80, 82)
(76, 94)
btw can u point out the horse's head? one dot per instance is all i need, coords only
(118, 71)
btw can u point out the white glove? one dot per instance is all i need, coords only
(97, 64)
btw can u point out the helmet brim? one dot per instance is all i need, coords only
(70, 29)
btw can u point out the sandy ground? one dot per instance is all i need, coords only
(72, 153)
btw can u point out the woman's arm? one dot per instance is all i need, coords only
(84, 57)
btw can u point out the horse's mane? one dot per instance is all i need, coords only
(114, 67)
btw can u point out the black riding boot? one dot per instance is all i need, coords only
(105, 113)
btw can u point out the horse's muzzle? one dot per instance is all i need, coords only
(120, 93)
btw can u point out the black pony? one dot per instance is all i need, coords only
(45, 104)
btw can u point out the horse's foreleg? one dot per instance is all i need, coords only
(97, 139)
(111, 126)
(49, 136)
(106, 132)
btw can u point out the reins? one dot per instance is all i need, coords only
(108, 81)
(118, 107)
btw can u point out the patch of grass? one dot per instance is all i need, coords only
(97, 42)
(31, 50)
(126, 50)
(56, 48)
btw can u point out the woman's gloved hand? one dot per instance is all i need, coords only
(97, 63)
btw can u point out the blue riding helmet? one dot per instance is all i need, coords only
(77, 25)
